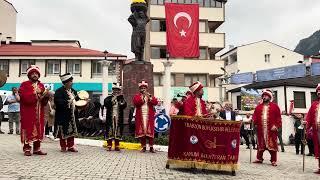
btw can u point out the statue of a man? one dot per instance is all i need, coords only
(138, 19)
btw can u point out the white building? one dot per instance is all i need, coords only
(300, 90)
(8, 19)
(258, 56)
(56, 57)
(186, 71)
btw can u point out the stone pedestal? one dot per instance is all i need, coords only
(133, 73)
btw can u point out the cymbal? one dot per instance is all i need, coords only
(3, 78)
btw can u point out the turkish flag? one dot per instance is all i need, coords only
(182, 23)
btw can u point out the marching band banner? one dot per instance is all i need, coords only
(203, 143)
(182, 27)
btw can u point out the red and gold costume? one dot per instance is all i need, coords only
(313, 121)
(32, 103)
(193, 105)
(265, 117)
(144, 118)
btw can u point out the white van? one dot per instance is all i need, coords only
(4, 111)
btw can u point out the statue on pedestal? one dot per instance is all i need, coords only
(138, 20)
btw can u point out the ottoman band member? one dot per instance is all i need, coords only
(267, 119)
(194, 105)
(64, 99)
(313, 125)
(33, 98)
(144, 103)
(115, 105)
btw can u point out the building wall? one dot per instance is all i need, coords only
(207, 66)
(8, 19)
(251, 58)
(190, 66)
(84, 81)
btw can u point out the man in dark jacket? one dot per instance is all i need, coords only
(64, 99)
(115, 105)
(227, 113)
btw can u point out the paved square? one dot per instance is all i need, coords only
(97, 163)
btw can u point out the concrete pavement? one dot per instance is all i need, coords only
(97, 163)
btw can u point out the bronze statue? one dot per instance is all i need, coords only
(138, 20)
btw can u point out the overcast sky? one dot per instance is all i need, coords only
(102, 24)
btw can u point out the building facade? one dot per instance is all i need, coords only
(258, 56)
(8, 19)
(54, 58)
(184, 72)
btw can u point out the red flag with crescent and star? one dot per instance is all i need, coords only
(182, 26)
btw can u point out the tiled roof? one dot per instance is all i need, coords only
(32, 50)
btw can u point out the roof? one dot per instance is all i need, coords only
(255, 43)
(11, 5)
(26, 49)
(307, 82)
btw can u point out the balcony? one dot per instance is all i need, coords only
(211, 40)
(210, 14)
(211, 67)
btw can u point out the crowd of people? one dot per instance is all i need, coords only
(65, 113)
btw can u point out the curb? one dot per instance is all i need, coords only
(123, 145)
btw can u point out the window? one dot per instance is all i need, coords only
(202, 26)
(112, 68)
(191, 78)
(275, 97)
(203, 53)
(202, 3)
(96, 68)
(24, 65)
(4, 66)
(267, 58)
(313, 96)
(158, 25)
(173, 80)
(157, 79)
(53, 67)
(299, 99)
(218, 4)
(239, 102)
(74, 67)
(158, 52)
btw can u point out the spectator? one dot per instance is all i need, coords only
(49, 115)
(248, 131)
(310, 142)
(14, 110)
(227, 113)
(174, 109)
(298, 133)
(1, 106)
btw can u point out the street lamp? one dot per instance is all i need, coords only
(168, 55)
(105, 52)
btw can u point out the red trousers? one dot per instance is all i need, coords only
(67, 143)
(143, 141)
(36, 146)
(272, 153)
(116, 142)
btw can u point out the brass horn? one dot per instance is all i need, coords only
(3, 78)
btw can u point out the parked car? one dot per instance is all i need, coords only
(4, 111)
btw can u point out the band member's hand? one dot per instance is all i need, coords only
(90, 117)
(274, 128)
(304, 122)
(80, 119)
